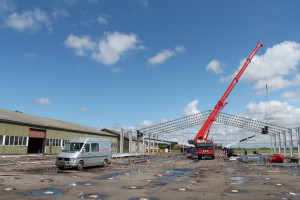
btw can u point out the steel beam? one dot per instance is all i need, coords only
(291, 143)
(298, 133)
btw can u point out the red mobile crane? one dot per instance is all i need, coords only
(205, 147)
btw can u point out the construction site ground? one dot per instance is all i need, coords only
(163, 176)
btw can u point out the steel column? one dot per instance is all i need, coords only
(284, 143)
(298, 133)
(144, 147)
(275, 145)
(149, 143)
(157, 143)
(130, 141)
(291, 143)
(153, 144)
(122, 141)
(279, 141)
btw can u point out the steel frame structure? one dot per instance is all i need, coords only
(278, 133)
(199, 118)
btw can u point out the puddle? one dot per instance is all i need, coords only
(143, 198)
(43, 192)
(239, 181)
(92, 196)
(229, 170)
(114, 176)
(171, 175)
(82, 184)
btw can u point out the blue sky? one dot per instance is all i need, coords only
(133, 63)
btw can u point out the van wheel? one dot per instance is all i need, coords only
(80, 166)
(105, 162)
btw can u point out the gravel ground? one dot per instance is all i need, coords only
(157, 177)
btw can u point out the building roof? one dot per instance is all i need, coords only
(25, 119)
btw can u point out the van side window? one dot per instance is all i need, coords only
(87, 147)
(95, 147)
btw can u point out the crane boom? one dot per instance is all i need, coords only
(204, 131)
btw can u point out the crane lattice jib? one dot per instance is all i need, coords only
(204, 131)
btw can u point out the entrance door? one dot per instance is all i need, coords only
(36, 140)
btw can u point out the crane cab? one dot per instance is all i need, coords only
(205, 150)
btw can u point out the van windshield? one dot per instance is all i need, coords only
(72, 147)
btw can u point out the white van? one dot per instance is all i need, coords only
(82, 152)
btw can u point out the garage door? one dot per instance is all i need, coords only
(37, 133)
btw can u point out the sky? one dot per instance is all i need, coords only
(135, 63)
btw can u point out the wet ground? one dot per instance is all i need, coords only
(158, 177)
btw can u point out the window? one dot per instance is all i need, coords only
(72, 147)
(16, 141)
(6, 140)
(13, 140)
(87, 147)
(20, 142)
(65, 142)
(95, 146)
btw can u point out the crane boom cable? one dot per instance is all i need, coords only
(267, 114)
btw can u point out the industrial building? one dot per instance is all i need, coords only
(22, 133)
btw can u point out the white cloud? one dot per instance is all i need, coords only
(215, 66)
(278, 66)
(161, 57)
(191, 108)
(29, 20)
(180, 49)
(280, 113)
(165, 54)
(290, 95)
(60, 12)
(145, 123)
(115, 45)
(276, 83)
(43, 101)
(102, 20)
(80, 44)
